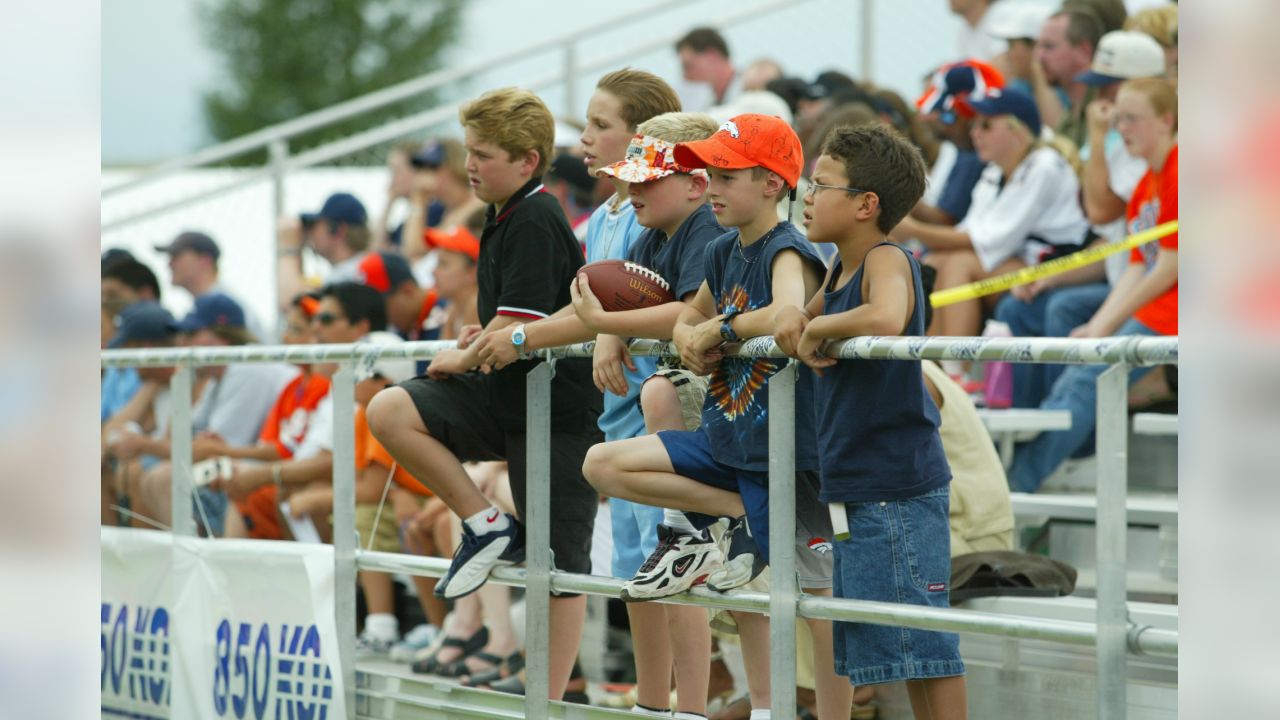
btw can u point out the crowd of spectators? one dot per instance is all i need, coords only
(1050, 131)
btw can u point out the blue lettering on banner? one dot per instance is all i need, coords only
(135, 656)
(244, 668)
(261, 671)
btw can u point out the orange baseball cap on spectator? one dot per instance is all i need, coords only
(747, 141)
(459, 240)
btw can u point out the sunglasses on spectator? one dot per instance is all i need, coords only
(327, 318)
(814, 187)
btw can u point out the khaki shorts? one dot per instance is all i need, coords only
(690, 388)
(387, 538)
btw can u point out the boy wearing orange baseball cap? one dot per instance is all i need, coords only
(721, 470)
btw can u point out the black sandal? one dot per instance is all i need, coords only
(459, 668)
(509, 666)
(469, 646)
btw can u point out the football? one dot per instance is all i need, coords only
(622, 285)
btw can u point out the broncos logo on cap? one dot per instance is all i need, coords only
(730, 127)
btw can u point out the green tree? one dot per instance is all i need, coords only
(289, 57)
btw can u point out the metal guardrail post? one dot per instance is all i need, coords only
(537, 523)
(1112, 527)
(782, 546)
(182, 521)
(279, 155)
(867, 39)
(344, 527)
(570, 79)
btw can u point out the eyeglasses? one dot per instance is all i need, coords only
(1129, 118)
(327, 318)
(814, 187)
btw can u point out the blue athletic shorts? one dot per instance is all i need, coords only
(690, 455)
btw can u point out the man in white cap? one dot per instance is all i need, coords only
(1017, 23)
(1109, 178)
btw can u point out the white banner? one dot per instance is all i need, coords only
(218, 629)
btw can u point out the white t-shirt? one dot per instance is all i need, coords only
(700, 96)
(1037, 208)
(1123, 173)
(319, 432)
(345, 271)
(236, 405)
(937, 180)
(976, 43)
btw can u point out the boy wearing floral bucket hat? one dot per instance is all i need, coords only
(721, 470)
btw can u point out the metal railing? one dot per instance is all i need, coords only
(1113, 635)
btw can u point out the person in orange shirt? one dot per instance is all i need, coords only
(1144, 301)
(282, 432)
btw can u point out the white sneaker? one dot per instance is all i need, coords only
(678, 563)
(414, 640)
(368, 646)
(744, 562)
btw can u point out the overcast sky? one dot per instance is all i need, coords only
(152, 80)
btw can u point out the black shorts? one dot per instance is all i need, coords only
(457, 412)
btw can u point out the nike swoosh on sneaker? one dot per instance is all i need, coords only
(494, 516)
(680, 567)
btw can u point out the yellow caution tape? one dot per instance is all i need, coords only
(1088, 256)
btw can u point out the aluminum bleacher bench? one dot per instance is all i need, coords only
(1155, 424)
(1140, 510)
(1009, 426)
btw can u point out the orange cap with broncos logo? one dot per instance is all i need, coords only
(747, 141)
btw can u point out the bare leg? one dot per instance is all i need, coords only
(690, 635)
(639, 470)
(420, 540)
(463, 623)
(378, 594)
(233, 525)
(753, 630)
(661, 405)
(495, 605)
(691, 652)
(155, 492)
(939, 698)
(395, 421)
(834, 692)
(652, 650)
(567, 615)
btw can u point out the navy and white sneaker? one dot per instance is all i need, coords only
(680, 562)
(743, 561)
(477, 555)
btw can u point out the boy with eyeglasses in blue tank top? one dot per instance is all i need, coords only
(883, 468)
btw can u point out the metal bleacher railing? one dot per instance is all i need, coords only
(1112, 633)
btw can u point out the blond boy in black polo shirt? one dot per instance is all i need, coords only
(431, 424)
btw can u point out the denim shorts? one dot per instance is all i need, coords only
(897, 552)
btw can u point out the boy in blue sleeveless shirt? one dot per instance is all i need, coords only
(721, 469)
(883, 467)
